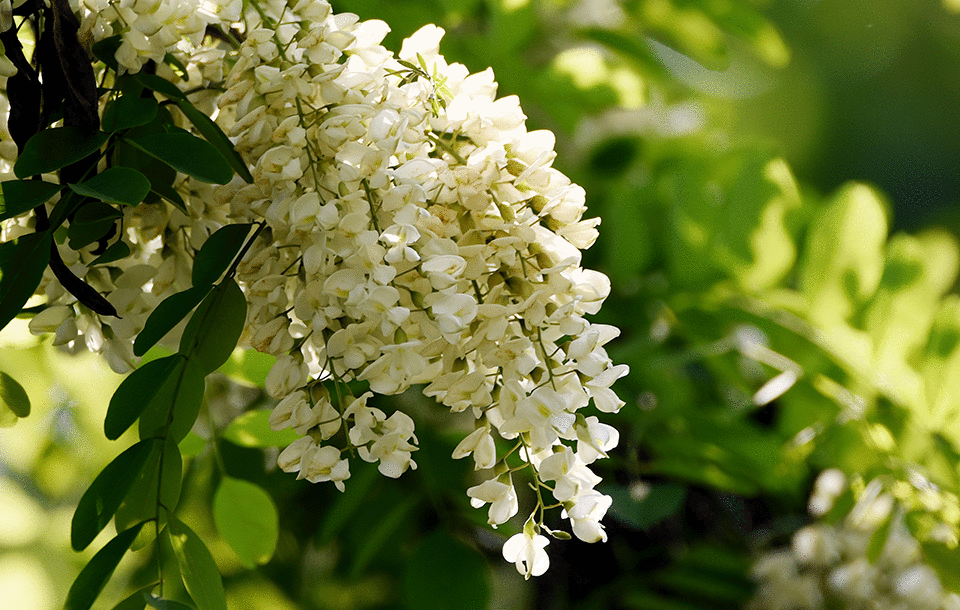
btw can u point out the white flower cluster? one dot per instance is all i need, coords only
(417, 234)
(150, 29)
(827, 565)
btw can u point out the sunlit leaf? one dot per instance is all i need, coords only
(247, 519)
(248, 367)
(54, 148)
(94, 576)
(197, 568)
(252, 429)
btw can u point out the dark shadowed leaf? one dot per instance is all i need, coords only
(105, 494)
(218, 252)
(94, 576)
(13, 397)
(445, 574)
(22, 262)
(129, 111)
(188, 154)
(642, 511)
(197, 568)
(213, 331)
(182, 392)
(54, 148)
(164, 604)
(247, 519)
(212, 132)
(115, 185)
(117, 250)
(20, 196)
(136, 392)
(141, 502)
(106, 50)
(91, 222)
(167, 314)
(136, 600)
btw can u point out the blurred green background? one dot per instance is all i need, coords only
(716, 139)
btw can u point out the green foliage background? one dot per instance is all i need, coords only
(717, 140)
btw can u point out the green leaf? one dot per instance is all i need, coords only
(878, 540)
(106, 50)
(248, 367)
(183, 393)
(136, 600)
(640, 512)
(188, 154)
(94, 576)
(252, 429)
(844, 254)
(20, 196)
(129, 111)
(247, 519)
(944, 560)
(91, 222)
(115, 185)
(197, 568)
(212, 132)
(13, 398)
(160, 85)
(215, 327)
(22, 262)
(380, 533)
(105, 494)
(54, 148)
(166, 463)
(162, 189)
(165, 316)
(117, 250)
(160, 175)
(164, 604)
(136, 392)
(218, 252)
(445, 574)
(192, 445)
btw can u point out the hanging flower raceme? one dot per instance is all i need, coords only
(416, 233)
(869, 559)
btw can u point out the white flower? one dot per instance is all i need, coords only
(527, 552)
(480, 444)
(586, 514)
(502, 498)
